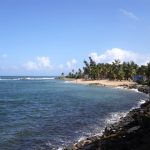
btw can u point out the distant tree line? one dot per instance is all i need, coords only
(114, 71)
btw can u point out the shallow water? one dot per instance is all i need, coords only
(41, 113)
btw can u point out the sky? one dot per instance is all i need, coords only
(47, 37)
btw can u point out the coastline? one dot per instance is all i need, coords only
(124, 84)
(110, 83)
(130, 132)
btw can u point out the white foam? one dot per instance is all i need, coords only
(115, 117)
(142, 101)
(31, 78)
(124, 88)
(9, 79)
(135, 90)
(81, 138)
(120, 87)
(68, 81)
(27, 78)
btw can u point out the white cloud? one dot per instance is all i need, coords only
(129, 14)
(74, 61)
(121, 54)
(41, 63)
(97, 57)
(70, 64)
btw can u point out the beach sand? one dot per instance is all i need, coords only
(110, 83)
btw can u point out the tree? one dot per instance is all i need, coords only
(114, 71)
(141, 70)
(148, 77)
(62, 74)
(79, 73)
(148, 71)
(86, 68)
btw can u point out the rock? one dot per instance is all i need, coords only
(144, 89)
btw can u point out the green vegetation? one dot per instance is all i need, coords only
(114, 71)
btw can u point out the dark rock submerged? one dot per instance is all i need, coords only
(131, 133)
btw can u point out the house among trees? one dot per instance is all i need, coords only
(137, 78)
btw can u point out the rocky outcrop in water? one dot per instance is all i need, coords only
(130, 133)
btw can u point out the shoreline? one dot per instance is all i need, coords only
(130, 85)
(109, 83)
(127, 132)
(131, 132)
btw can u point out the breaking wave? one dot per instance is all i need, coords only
(27, 78)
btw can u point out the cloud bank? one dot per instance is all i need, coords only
(121, 54)
(41, 63)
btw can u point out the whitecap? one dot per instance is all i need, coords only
(9, 79)
(27, 78)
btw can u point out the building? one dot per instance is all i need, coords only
(139, 78)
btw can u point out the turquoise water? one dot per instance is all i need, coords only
(41, 113)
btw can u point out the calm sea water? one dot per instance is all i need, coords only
(41, 113)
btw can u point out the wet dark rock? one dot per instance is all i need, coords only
(144, 89)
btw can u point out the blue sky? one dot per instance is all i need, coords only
(47, 37)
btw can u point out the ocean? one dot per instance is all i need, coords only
(42, 113)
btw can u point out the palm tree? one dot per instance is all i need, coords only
(141, 70)
(114, 71)
(86, 68)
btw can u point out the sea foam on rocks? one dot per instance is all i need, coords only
(131, 132)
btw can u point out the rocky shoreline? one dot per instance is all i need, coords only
(132, 132)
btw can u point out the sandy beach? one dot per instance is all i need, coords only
(110, 83)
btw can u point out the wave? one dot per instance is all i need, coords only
(8, 79)
(30, 78)
(135, 90)
(116, 116)
(27, 78)
(125, 88)
(142, 101)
